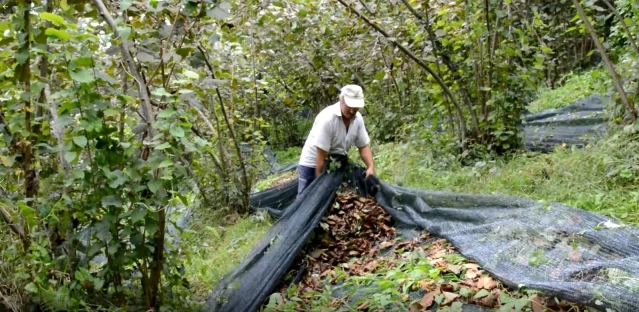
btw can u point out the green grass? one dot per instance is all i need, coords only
(218, 246)
(287, 156)
(575, 88)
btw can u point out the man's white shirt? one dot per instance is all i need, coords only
(329, 133)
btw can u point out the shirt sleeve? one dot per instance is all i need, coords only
(324, 133)
(362, 135)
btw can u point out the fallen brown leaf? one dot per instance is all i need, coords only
(363, 305)
(537, 304)
(449, 297)
(455, 268)
(485, 281)
(429, 297)
(415, 307)
(488, 301)
(316, 253)
(574, 255)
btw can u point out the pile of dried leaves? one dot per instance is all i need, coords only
(350, 230)
(356, 229)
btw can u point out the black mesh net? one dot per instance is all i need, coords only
(573, 125)
(563, 251)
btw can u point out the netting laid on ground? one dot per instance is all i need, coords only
(574, 125)
(566, 252)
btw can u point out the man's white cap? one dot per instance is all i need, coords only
(353, 96)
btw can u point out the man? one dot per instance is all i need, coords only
(336, 129)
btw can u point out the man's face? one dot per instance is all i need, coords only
(348, 112)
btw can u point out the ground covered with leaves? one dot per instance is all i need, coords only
(355, 261)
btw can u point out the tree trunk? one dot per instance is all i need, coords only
(27, 144)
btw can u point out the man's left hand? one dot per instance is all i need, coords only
(369, 172)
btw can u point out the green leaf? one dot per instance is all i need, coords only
(28, 213)
(64, 5)
(98, 283)
(220, 11)
(125, 5)
(160, 92)
(60, 34)
(302, 13)
(95, 248)
(154, 185)
(113, 248)
(191, 74)
(21, 57)
(111, 200)
(166, 163)
(53, 18)
(78, 174)
(70, 156)
(380, 75)
(162, 146)
(120, 179)
(139, 213)
(82, 75)
(145, 57)
(7, 161)
(166, 113)
(31, 287)
(184, 52)
(124, 32)
(177, 131)
(106, 77)
(80, 141)
(481, 294)
(112, 111)
(102, 231)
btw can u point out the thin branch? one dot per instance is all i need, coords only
(419, 61)
(7, 219)
(147, 110)
(390, 72)
(247, 186)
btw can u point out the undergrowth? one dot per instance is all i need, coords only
(217, 244)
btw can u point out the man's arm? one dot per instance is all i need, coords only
(367, 157)
(320, 161)
(363, 142)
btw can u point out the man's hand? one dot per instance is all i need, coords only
(369, 172)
